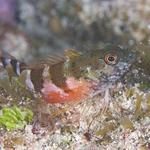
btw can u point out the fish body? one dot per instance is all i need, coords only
(106, 65)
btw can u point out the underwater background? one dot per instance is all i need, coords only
(31, 30)
(49, 25)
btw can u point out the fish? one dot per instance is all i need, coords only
(106, 67)
(67, 77)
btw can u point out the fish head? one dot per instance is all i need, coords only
(118, 62)
(114, 64)
(108, 64)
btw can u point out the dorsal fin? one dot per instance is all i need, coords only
(54, 58)
(71, 53)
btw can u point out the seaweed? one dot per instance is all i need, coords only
(138, 110)
(145, 86)
(109, 127)
(15, 118)
(126, 123)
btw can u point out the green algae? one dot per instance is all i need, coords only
(15, 118)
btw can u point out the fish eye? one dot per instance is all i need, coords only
(111, 59)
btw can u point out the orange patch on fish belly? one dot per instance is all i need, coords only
(75, 90)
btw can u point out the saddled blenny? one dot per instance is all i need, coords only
(105, 66)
